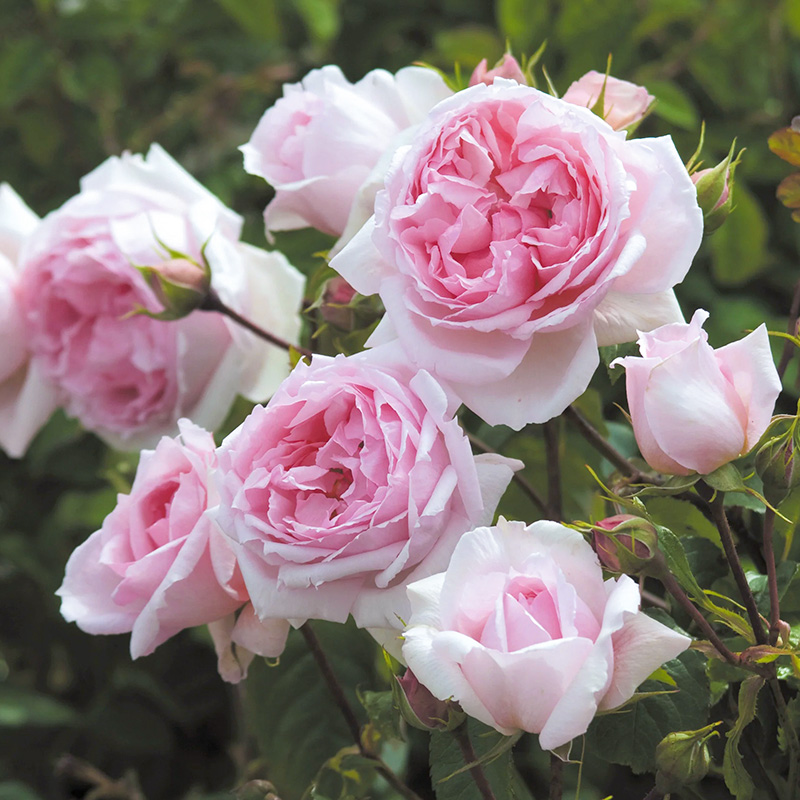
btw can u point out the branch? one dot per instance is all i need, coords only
(772, 576)
(478, 775)
(551, 431)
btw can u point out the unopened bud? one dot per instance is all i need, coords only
(683, 758)
(776, 466)
(629, 544)
(714, 187)
(507, 67)
(422, 710)
(335, 304)
(257, 790)
(180, 285)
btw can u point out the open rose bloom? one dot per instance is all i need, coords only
(352, 481)
(320, 143)
(695, 408)
(515, 234)
(522, 631)
(130, 378)
(26, 398)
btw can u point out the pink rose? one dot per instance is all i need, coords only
(695, 408)
(26, 398)
(624, 103)
(159, 564)
(515, 234)
(508, 67)
(319, 144)
(352, 481)
(524, 634)
(130, 378)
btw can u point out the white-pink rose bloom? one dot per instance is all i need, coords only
(130, 378)
(352, 481)
(159, 563)
(26, 398)
(624, 103)
(515, 234)
(695, 408)
(325, 145)
(523, 632)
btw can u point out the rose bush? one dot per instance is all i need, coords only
(319, 144)
(522, 631)
(26, 399)
(352, 481)
(624, 103)
(159, 564)
(517, 232)
(695, 408)
(130, 378)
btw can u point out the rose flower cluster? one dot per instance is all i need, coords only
(508, 233)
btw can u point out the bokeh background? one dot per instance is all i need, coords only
(84, 79)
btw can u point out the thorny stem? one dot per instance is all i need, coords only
(728, 545)
(349, 715)
(772, 577)
(519, 479)
(674, 588)
(791, 329)
(478, 775)
(551, 431)
(556, 778)
(214, 303)
(607, 450)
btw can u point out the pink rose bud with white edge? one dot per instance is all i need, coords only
(523, 632)
(630, 544)
(507, 67)
(693, 407)
(624, 103)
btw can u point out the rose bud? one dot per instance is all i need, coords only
(682, 758)
(180, 285)
(507, 67)
(335, 304)
(422, 710)
(715, 191)
(775, 465)
(625, 104)
(631, 543)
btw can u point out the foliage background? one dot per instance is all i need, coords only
(84, 79)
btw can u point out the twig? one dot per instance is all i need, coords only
(772, 576)
(350, 718)
(791, 329)
(728, 545)
(519, 479)
(478, 775)
(214, 303)
(556, 778)
(607, 450)
(551, 437)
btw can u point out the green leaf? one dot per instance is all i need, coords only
(706, 560)
(674, 105)
(726, 479)
(610, 352)
(296, 722)
(736, 776)
(14, 790)
(739, 248)
(785, 143)
(789, 190)
(257, 18)
(451, 782)
(785, 573)
(631, 736)
(382, 713)
(25, 65)
(21, 708)
(522, 22)
(321, 18)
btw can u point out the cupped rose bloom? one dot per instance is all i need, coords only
(515, 234)
(159, 564)
(352, 481)
(130, 378)
(508, 67)
(624, 103)
(321, 142)
(522, 631)
(26, 398)
(695, 408)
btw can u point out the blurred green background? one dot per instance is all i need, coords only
(84, 79)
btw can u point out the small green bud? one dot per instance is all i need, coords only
(777, 466)
(682, 758)
(625, 543)
(421, 709)
(180, 285)
(714, 187)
